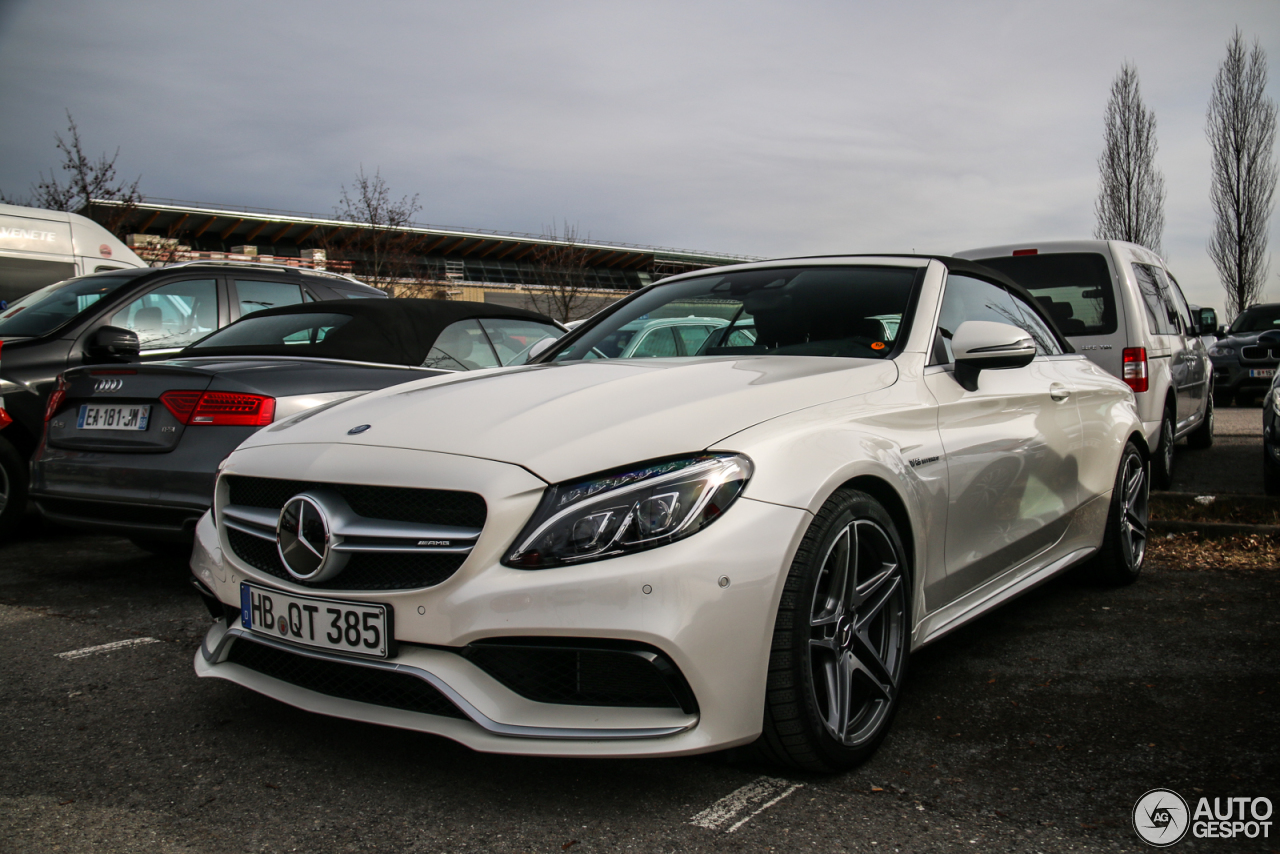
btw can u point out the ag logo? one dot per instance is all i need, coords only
(1161, 817)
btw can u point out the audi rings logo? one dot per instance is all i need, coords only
(304, 538)
(108, 384)
(1161, 818)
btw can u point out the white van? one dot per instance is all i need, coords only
(1118, 304)
(39, 247)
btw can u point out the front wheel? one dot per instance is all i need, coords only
(13, 488)
(1162, 464)
(1270, 472)
(1124, 545)
(1202, 437)
(841, 640)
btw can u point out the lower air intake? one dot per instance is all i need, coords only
(346, 681)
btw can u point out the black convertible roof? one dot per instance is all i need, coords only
(393, 331)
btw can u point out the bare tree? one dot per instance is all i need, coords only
(379, 242)
(1130, 203)
(87, 181)
(561, 264)
(1241, 128)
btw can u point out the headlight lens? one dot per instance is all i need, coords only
(1221, 350)
(629, 510)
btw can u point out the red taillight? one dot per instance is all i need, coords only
(1135, 368)
(181, 403)
(1026, 252)
(56, 399)
(220, 408)
(5, 420)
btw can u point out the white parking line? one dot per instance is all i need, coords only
(106, 647)
(765, 791)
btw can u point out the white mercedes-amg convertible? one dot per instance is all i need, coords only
(594, 556)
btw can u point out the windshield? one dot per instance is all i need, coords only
(1257, 319)
(40, 312)
(851, 312)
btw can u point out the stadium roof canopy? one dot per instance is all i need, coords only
(477, 255)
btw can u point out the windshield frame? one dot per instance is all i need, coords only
(904, 331)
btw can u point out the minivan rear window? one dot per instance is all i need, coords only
(1074, 288)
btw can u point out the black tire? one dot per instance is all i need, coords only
(1270, 473)
(13, 488)
(839, 653)
(1119, 561)
(1162, 460)
(164, 548)
(1202, 437)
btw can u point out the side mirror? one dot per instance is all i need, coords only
(540, 346)
(113, 344)
(1208, 324)
(980, 345)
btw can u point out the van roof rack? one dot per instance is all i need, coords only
(263, 265)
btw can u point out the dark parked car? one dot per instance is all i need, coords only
(1243, 366)
(106, 317)
(134, 449)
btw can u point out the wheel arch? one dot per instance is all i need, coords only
(884, 492)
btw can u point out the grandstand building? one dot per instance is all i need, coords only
(455, 263)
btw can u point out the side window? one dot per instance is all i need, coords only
(255, 296)
(692, 337)
(1180, 303)
(513, 337)
(1162, 317)
(1046, 343)
(461, 346)
(173, 315)
(967, 298)
(658, 342)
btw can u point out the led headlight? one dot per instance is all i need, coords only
(629, 510)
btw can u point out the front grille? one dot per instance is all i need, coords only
(631, 675)
(1260, 354)
(346, 681)
(393, 503)
(362, 572)
(370, 570)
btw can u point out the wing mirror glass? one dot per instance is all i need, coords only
(980, 345)
(113, 344)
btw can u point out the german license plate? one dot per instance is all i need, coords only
(1262, 373)
(349, 627)
(126, 417)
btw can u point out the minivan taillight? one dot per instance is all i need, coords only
(220, 408)
(56, 399)
(1135, 368)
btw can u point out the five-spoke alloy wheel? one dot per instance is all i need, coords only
(841, 639)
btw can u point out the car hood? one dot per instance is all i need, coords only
(564, 420)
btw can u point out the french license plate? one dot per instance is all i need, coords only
(126, 417)
(1262, 373)
(350, 627)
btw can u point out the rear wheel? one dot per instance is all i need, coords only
(13, 488)
(1202, 436)
(1162, 464)
(1124, 546)
(841, 640)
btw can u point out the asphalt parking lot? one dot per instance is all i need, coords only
(1034, 729)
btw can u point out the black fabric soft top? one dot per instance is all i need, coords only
(392, 331)
(971, 268)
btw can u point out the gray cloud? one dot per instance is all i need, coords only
(756, 128)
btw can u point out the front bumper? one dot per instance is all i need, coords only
(670, 598)
(1231, 376)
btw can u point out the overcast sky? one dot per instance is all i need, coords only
(752, 128)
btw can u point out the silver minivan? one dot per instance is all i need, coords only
(1119, 305)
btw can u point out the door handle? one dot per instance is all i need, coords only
(1059, 392)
